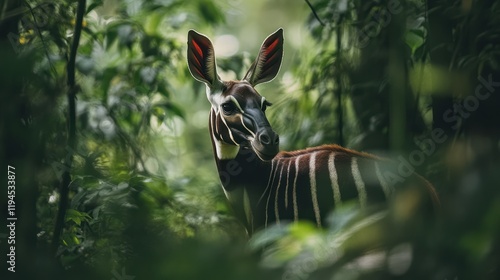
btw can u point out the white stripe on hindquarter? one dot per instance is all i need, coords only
(287, 183)
(294, 191)
(337, 198)
(276, 210)
(312, 183)
(358, 181)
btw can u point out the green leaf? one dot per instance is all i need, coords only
(414, 40)
(210, 12)
(152, 23)
(94, 5)
(171, 108)
(76, 216)
(268, 236)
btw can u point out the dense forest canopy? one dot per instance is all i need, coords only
(109, 170)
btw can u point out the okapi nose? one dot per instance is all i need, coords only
(266, 144)
(269, 137)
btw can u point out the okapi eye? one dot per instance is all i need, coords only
(228, 108)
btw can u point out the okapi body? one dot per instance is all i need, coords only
(265, 186)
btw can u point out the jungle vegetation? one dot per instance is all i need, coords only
(114, 172)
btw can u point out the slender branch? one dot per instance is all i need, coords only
(338, 82)
(314, 12)
(72, 90)
(76, 41)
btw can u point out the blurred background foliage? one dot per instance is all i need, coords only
(133, 160)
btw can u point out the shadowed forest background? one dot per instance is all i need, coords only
(114, 170)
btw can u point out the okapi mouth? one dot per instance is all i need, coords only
(264, 143)
(265, 153)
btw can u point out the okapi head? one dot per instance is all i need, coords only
(238, 116)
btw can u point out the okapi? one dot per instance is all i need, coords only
(265, 186)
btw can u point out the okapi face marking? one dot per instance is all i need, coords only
(237, 116)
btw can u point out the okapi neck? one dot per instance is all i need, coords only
(245, 170)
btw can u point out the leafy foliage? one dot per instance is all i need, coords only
(374, 74)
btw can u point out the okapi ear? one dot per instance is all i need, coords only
(268, 62)
(201, 59)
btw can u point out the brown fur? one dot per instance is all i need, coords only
(328, 148)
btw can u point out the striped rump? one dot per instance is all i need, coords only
(308, 184)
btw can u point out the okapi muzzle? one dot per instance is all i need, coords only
(266, 144)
